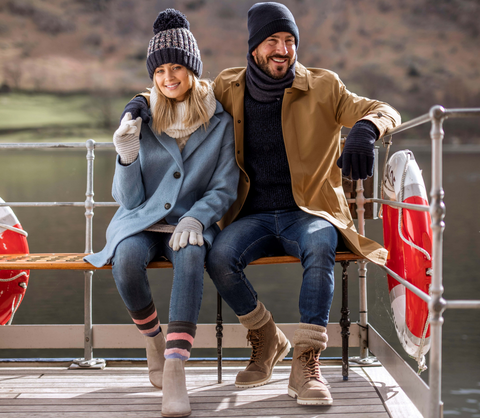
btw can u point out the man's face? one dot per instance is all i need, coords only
(276, 54)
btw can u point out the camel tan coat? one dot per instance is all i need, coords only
(313, 112)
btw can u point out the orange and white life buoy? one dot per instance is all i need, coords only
(13, 283)
(408, 238)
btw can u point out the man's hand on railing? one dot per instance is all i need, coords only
(127, 138)
(188, 230)
(138, 106)
(358, 154)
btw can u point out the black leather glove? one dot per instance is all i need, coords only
(138, 106)
(358, 153)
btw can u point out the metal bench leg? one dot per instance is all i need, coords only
(219, 330)
(345, 319)
(88, 361)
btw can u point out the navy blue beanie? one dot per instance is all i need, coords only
(265, 19)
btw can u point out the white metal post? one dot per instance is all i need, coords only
(437, 304)
(88, 360)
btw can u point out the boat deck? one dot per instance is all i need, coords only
(122, 392)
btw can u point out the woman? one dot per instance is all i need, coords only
(172, 186)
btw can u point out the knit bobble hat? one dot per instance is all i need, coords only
(265, 19)
(173, 42)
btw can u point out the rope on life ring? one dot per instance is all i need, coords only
(11, 279)
(12, 228)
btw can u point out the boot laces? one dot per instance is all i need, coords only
(255, 337)
(311, 363)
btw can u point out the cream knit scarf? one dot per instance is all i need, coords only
(178, 130)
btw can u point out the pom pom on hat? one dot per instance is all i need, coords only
(173, 42)
(170, 19)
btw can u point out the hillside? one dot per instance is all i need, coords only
(410, 53)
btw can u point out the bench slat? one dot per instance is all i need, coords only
(74, 261)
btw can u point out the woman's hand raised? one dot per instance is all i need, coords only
(127, 138)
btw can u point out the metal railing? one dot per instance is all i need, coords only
(89, 204)
(436, 303)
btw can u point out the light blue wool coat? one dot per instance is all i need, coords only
(200, 182)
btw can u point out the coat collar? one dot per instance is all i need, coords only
(200, 134)
(193, 142)
(301, 81)
(301, 77)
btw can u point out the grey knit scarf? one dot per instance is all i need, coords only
(264, 88)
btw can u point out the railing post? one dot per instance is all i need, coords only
(437, 304)
(88, 360)
(90, 144)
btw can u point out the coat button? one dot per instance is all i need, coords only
(246, 179)
(239, 121)
(177, 175)
(168, 206)
(238, 84)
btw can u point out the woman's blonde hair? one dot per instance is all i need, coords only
(163, 116)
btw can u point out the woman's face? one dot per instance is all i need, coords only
(173, 81)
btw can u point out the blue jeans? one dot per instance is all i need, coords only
(129, 268)
(293, 232)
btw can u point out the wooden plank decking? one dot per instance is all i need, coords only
(123, 392)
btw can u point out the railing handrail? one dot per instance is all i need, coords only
(435, 111)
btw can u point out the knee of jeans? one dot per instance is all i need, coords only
(128, 258)
(194, 255)
(221, 261)
(322, 242)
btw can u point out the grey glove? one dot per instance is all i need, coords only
(188, 230)
(127, 138)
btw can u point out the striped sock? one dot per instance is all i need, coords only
(180, 337)
(146, 320)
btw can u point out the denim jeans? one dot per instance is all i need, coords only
(293, 232)
(129, 268)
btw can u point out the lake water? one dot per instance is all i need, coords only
(57, 296)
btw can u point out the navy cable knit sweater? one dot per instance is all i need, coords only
(265, 158)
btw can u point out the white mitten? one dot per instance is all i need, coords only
(127, 138)
(188, 230)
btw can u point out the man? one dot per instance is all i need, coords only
(290, 199)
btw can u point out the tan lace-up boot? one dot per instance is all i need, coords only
(269, 346)
(155, 359)
(306, 381)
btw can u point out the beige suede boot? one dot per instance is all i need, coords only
(269, 346)
(175, 401)
(306, 381)
(155, 359)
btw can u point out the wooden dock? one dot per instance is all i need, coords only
(123, 392)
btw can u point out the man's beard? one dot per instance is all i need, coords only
(263, 65)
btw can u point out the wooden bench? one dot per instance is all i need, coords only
(74, 261)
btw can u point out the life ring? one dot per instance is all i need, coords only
(408, 238)
(13, 283)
